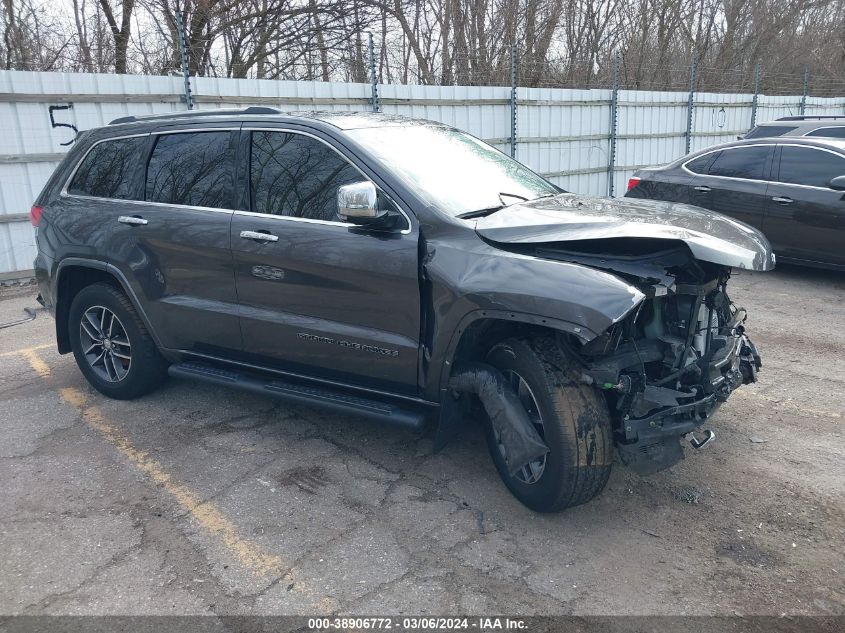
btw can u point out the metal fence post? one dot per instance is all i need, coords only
(183, 56)
(803, 104)
(614, 119)
(757, 72)
(693, 71)
(374, 100)
(513, 99)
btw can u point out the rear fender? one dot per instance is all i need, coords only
(64, 292)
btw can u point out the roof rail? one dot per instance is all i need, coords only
(196, 113)
(812, 117)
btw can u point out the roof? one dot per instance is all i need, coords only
(340, 120)
(811, 117)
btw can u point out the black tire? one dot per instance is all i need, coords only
(145, 370)
(575, 426)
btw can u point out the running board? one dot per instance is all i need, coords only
(308, 395)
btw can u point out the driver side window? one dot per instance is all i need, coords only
(297, 176)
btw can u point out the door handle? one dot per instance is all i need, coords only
(702, 188)
(782, 200)
(259, 236)
(132, 220)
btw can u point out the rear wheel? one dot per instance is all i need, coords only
(111, 345)
(572, 418)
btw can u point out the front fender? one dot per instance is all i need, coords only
(466, 284)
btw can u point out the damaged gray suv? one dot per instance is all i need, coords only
(400, 270)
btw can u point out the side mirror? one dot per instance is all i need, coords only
(837, 184)
(358, 203)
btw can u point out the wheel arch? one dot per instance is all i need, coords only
(480, 330)
(74, 274)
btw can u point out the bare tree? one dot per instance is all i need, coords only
(121, 32)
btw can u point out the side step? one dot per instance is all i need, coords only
(308, 395)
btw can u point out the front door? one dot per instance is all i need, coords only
(319, 296)
(805, 219)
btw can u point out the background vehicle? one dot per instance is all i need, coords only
(804, 125)
(402, 270)
(791, 188)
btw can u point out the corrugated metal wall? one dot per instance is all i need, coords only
(561, 133)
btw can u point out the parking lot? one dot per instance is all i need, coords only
(199, 501)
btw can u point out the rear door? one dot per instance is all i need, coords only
(319, 296)
(735, 183)
(158, 207)
(805, 219)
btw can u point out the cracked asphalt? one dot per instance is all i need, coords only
(195, 500)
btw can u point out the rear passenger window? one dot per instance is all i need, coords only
(109, 169)
(296, 175)
(830, 132)
(808, 166)
(741, 162)
(762, 131)
(193, 169)
(699, 165)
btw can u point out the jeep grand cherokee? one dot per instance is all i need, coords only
(402, 270)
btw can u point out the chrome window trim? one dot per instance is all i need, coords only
(776, 182)
(152, 204)
(65, 194)
(286, 130)
(255, 214)
(724, 149)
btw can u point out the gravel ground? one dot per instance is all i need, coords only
(195, 500)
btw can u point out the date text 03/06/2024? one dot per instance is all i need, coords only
(417, 623)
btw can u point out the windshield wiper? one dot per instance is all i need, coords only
(478, 213)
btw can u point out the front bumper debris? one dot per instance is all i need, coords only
(659, 416)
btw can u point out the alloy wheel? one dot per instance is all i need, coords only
(531, 472)
(105, 344)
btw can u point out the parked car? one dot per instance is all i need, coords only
(792, 189)
(804, 125)
(402, 270)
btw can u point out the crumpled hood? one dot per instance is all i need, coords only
(567, 217)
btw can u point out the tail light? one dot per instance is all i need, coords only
(35, 215)
(633, 182)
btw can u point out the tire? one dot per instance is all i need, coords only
(573, 421)
(136, 366)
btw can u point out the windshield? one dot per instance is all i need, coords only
(451, 169)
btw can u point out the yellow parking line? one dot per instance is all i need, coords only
(41, 368)
(205, 513)
(26, 350)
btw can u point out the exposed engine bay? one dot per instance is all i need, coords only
(667, 366)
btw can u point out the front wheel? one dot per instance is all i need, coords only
(112, 347)
(572, 418)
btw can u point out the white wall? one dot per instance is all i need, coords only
(562, 133)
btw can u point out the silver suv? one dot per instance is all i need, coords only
(805, 125)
